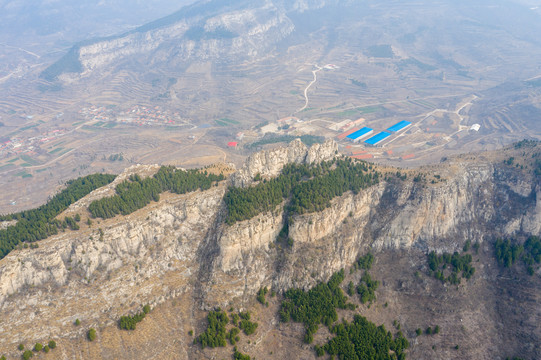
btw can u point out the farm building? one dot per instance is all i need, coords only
(232, 144)
(351, 123)
(360, 134)
(350, 131)
(399, 126)
(376, 139)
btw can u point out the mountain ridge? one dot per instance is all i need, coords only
(179, 247)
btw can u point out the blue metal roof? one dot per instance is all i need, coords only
(399, 126)
(365, 130)
(377, 138)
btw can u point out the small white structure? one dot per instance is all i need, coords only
(475, 127)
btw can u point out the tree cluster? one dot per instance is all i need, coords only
(240, 356)
(309, 188)
(508, 253)
(40, 223)
(364, 262)
(130, 322)
(367, 288)
(261, 294)
(316, 306)
(362, 339)
(135, 193)
(247, 326)
(456, 262)
(233, 335)
(215, 334)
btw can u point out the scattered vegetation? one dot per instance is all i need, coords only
(526, 144)
(456, 262)
(135, 193)
(309, 187)
(40, 223)
(114, 157)
(380, 51)
(358, 83)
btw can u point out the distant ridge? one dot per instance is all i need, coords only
(70, 62)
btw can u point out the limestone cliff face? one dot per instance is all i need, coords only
(181, 244)
(146, 257)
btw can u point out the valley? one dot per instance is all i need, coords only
(257, 80)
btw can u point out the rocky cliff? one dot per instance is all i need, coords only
(180, 247)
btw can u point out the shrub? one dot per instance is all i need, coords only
(27, 354)
(46, 348)
(77, 322)
(91, 335)
(52, 344)
(38, 347)
(261, 295)
(21, 347)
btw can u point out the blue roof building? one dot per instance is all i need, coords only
(360, 134)
(376, 139)
(399, 126)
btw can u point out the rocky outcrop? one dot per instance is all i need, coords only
(269, 163)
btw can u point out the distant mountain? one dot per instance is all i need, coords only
(447, 35)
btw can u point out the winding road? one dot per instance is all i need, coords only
(314, 72)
